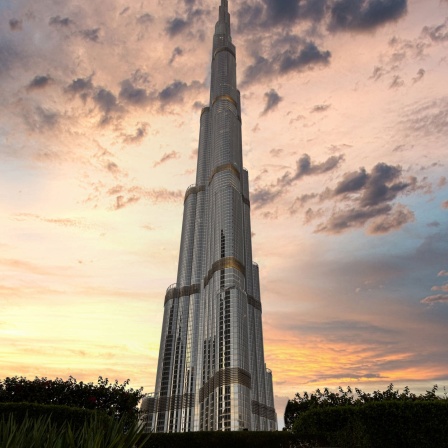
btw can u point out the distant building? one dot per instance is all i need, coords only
(211, 373)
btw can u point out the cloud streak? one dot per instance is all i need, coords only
(364, 15)
(264, 196)
(133, 95)
(428, 118)
(59, 21)
(299, 56)
(296, 50)
(371, 193)
(15, 24)
(272, 100)
(382, 184)
(438, 298)
(335, 15)
(440, 288)
(437, 33)
(39, 82)
(125, 196)
(166, 157)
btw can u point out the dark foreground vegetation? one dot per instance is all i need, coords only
(45, 432)
(231, 439)
(115, 399)
(388, 419)
(44, 413)
(67, 414)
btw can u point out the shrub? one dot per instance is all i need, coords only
(115, 399)
(60, 414)
(301, 404)
(375, 424)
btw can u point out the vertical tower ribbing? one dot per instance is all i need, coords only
(211, 373)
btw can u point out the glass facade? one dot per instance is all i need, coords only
(211, 372)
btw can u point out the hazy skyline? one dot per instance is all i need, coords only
(345, 125)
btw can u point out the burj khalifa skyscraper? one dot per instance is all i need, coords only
(211, 371)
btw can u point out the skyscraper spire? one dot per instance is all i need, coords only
(223, 23)
(211, 373)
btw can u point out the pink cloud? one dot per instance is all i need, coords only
(438, 298)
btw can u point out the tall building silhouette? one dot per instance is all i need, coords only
(211, 372)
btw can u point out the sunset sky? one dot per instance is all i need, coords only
(345, 131)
